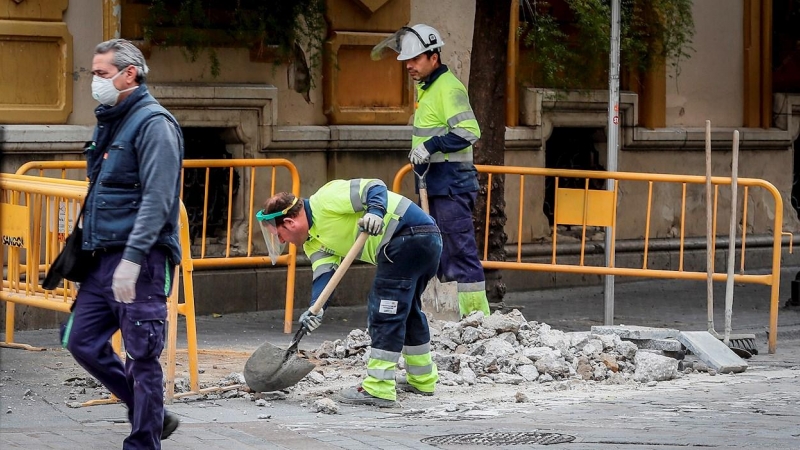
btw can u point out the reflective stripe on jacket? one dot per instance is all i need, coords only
(335, 210)
(443, 108)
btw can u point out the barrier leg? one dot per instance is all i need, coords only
(9, 342)
(191, 329)
(172, 339)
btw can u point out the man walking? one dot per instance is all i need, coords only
(130, 225)
(405, 244)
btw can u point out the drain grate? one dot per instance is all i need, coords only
(495, 439)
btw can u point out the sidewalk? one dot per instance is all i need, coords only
(756, 408)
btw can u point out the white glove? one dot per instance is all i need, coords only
(419, 154)
(310, 320)
(371, 223)
(124, 281)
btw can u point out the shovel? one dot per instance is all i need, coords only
(271, 368)
(439, 300)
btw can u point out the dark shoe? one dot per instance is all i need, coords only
(791, 305)
(358, 396)
(171, 423)
(404, 386)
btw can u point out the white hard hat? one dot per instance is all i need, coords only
(417, 40)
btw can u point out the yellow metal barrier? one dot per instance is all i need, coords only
(239, 228)
(36, 215)
(587, 207)
(31, 203)
(22, 286)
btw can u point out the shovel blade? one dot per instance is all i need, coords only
(272, 368)
(440, 301)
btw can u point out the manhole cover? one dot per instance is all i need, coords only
(495, 439)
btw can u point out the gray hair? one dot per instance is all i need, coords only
(125, 54)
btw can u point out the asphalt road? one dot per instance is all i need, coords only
(755, 409)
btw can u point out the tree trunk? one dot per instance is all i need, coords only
(487, 91)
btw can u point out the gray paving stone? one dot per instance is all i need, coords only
(636, 332)
(666, 345)
(712, 351)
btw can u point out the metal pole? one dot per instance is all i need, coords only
(612, 147)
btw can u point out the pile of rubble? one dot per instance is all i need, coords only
(507, 349)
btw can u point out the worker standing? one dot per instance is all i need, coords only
(406, 246)
(445, 129)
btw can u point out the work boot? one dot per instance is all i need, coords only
(406, 387)
(791, 305)
(171, 423)
(357, 395)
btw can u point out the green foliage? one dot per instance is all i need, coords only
(203, 26)
(569, 40)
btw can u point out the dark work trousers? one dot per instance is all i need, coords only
(405, 266)
(97, 316)
(453, 214)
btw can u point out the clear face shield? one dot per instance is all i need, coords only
(393, 43)
(269, 230)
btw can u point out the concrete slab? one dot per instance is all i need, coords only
(666, 345)
(636, 332)
(712, 351)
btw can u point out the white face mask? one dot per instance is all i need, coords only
(104, 91)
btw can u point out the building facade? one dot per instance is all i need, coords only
(354, 120)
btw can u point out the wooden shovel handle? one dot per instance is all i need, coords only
(423, 199)
(355, 250)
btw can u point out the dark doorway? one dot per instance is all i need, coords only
(796, 177)
(786, 46)
(571, 148)
(207, 143)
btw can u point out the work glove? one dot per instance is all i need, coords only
(419, 154)
(310, 320)
(124, 281)
(371, 223)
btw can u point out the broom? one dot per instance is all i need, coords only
(743, 345)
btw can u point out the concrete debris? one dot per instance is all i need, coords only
(667, 345)
(507, 349)
(87, 381)
(182, 385)
(270, 396)
(637, 332)
(326, 406)
(233, 393)
(316, 377)
(653, 367)
(233, 378)
(520, 397)
(502, 349)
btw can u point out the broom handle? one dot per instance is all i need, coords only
(709, 237)
(732, 238)
(355, 250)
